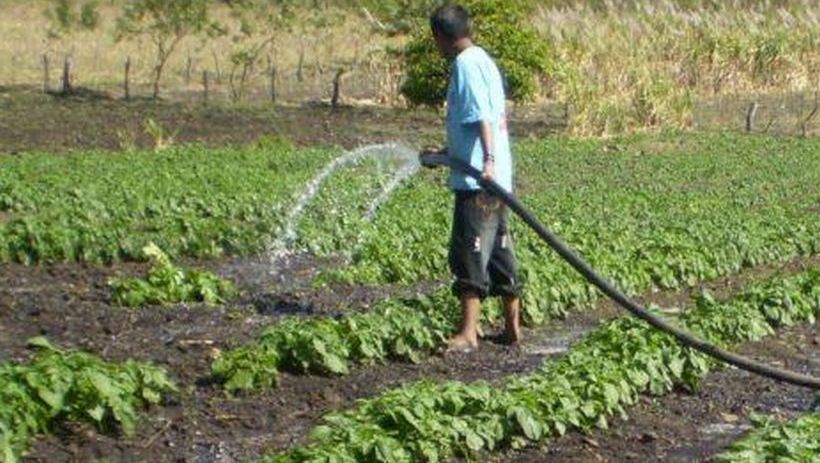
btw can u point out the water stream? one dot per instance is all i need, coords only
(281, 248)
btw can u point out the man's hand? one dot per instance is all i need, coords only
(488, 173)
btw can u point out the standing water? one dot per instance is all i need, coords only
(280, 248)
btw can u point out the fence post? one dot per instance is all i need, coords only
(804, 126)
(750, 116)
(127, 79)
(217, 69)
(205, 87)
(273, 84)
(46, 76)
(188, 67)
(337, 88)
(300, 67)
(67, 65)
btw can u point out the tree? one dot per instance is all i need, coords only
(256, 29)
(395, 17)
(165, 23)
(65, 18)
(500, 27)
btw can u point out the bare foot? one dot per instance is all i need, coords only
(512, 337)
(461, 343)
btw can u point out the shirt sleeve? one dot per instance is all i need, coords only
(472, 94)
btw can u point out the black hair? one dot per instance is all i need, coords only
(451, 21)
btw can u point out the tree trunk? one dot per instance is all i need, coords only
(157, 77)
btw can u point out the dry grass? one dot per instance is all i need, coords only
(618, 68)
(99, 60)
(630, 69)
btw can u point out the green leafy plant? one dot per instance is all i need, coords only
(167, 283)
(771, 441)
(501, 28)
(66, 16)
(670, 234)
(598, 378)
(200, 202)
(58, 386)
(393, 329)
(160, 137)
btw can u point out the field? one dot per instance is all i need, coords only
(718, 230)
(211, 276)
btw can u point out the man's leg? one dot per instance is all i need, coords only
(512, 319)
(503, 271)
(467, 336)
(470, 247)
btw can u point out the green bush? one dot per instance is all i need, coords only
(501, 29)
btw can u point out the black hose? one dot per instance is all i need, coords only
(616, 295)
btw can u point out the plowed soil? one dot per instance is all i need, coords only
(69, 304)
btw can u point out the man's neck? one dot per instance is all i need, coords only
(462, 44)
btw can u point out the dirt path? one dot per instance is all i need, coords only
(201, 424)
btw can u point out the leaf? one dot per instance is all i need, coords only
(529, 426)
(335, 364)
(611, 395)
(42, 343)
(676, 366)
(474, 441)
(97, 413)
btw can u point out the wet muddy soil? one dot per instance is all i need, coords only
(69, 304)
(32, 121)
(694, 426)
(685, 426)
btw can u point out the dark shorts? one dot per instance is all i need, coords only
(481, 248)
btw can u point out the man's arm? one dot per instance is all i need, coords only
(488, 148)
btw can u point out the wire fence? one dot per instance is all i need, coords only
(370, 81)
(781, 113)
(378, 82)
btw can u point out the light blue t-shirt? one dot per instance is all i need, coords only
(476, 93)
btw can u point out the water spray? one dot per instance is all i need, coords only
(280, 248)
(686, 338)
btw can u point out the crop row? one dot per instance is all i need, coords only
(598, 378)
(166, 284)
(192, 201)
(59, 386)
(664, 237)
(771, 441)
(714, 194)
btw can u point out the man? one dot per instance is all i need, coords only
(481, 254)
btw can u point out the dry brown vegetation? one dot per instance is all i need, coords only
(616, 66)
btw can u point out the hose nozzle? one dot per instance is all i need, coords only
(433, 159)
